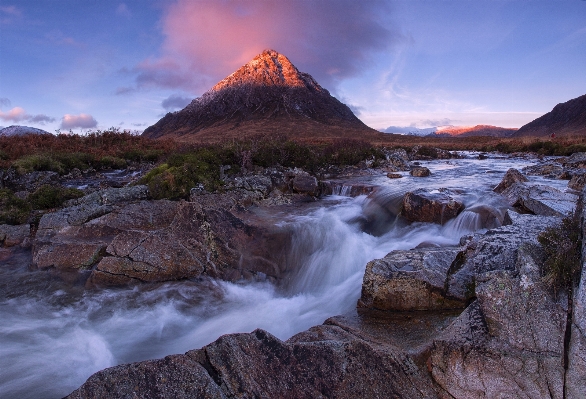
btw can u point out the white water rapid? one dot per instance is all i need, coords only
(53, 337)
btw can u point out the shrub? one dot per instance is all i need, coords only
(13, 210)
(47, 196)
(38, 162)
(109, 162)
(561, 245)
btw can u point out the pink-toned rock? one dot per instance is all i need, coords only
(424, 206)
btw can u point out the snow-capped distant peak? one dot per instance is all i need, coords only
(17, 130)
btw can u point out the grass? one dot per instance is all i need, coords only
(562, 246)
(13, 210)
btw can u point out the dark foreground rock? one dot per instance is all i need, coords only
(434, 207)
(323, 362)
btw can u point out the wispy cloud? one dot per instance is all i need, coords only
(175, 102)
(207, 40)
(123, 10)
(83, 121)
(9, 14)
(59, 38)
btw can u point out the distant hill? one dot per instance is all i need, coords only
(565, 119)
(267, 95)
(17, 130)
(478, 130)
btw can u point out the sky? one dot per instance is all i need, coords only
(88, 65)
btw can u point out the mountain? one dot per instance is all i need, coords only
(565, 119)
(267, 95)
(478, 130)
(17, 130)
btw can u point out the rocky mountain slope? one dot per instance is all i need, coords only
(565, 119)
(267, 95)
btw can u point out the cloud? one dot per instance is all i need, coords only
(124, 90)
(83, 121)
(4, 102)
(41, 119)
(123, 11)
(438, 122)
(174, 102)
(18, 114)
(59, 38)
(207, 40)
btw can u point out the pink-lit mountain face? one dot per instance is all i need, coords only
(267, 93)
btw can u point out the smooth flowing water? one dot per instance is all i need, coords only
(53, 337)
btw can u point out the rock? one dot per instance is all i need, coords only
(424, 206)
(409, 280)
(577, 182)
(394, 175)
(323, 362)
(509, 342)
(11, 236)
(68, 256)
(551, 170)
(511, 177)
(494, 250)
(346, 189)
(30, 181)
(423, 152)
(420, 172)
(576, 160)
(540, 200)
(576, 374)
(305, 184)
(258, 183)
(482, 156)
(381, 207)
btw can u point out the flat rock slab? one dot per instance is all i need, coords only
(432, 207)
(540, 199)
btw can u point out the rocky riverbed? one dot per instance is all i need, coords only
(445, 271)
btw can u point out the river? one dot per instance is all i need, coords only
(53, 336)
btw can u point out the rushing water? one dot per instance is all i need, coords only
(53, 337)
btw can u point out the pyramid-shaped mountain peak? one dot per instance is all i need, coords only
(269, 69)
(267, 95)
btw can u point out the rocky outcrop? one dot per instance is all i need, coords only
(433, 207)
(323, 362)
(509, 342)
(409, 280)
(118, 238)
(11, 236)
(511, 177)
(540, 199)
(577, 182)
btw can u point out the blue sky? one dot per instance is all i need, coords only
(96, 64)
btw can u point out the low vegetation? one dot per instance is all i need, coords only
(562, 246)
(13, 210)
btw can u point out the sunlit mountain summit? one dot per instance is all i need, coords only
(267, 95)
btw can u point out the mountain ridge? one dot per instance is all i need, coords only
(565, 119)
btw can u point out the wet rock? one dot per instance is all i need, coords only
(551, 170)
(323, 362)
(509, 342)
(305, 184)
(382, 206)
(68, 256)
(409, 280)
(394, 175)
(540, 200)
(346, 189)
(482, 217)
(511, 177)
(424, 206)
(576, 160)
(427, 153)
(482, 156)
(11, 236)
(577, 182)
(420, 172)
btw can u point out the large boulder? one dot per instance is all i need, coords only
(540, 199)
(409, 280)
(511, 177)
(323, 362)
(509, 342)
(420, 171)
(433, 207)
(577, 181)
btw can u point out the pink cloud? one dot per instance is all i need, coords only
(16, 114)
(83, 121)
(207, 40)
